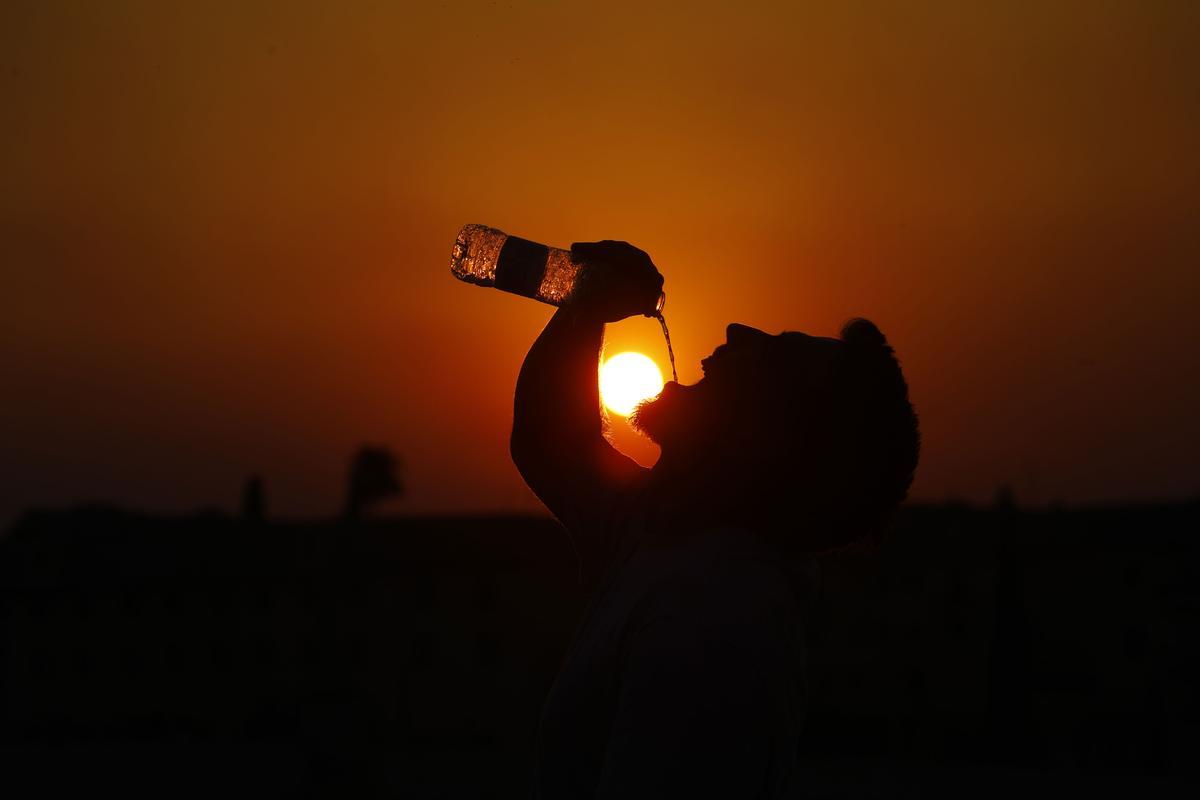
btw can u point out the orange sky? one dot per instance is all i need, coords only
(224, 234)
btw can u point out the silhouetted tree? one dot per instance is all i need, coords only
(372, 478)
(253, 503)
(1005, 500)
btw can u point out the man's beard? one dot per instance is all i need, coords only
(664, 419)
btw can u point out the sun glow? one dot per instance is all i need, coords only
(627, 379)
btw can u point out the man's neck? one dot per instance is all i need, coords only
(693, 485)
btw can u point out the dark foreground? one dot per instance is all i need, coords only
(980, 653)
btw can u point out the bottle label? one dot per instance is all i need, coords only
(521, 266)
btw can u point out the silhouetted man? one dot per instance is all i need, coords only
(684, 678)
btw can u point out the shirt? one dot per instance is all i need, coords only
(685, 677)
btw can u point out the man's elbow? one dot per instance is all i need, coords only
(524, 451)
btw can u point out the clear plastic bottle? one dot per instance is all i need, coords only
(488, 257)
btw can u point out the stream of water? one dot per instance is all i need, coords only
(670, 350)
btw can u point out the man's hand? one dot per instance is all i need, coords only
(619, 281)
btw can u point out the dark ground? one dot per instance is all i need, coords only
(979, 653)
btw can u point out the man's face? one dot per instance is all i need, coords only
(737, 376)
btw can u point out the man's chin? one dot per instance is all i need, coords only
(653, 418)
(641, 420)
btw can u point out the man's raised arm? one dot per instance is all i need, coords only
(557, 440)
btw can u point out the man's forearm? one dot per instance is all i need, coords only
(557, 440)
(557, 401)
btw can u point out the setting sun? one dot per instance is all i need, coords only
(627, 379)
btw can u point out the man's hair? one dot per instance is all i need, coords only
(850, 453)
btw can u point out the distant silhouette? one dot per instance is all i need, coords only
(685, 677)
(1006, 499)
(372, 478)
(253, 502)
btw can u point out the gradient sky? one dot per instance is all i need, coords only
(224, 232)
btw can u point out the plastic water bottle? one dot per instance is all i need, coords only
(487, 257)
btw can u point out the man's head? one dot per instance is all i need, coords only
(800, 432)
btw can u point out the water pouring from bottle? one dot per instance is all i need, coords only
(667, 335)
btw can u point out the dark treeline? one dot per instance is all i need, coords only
(210, 654)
